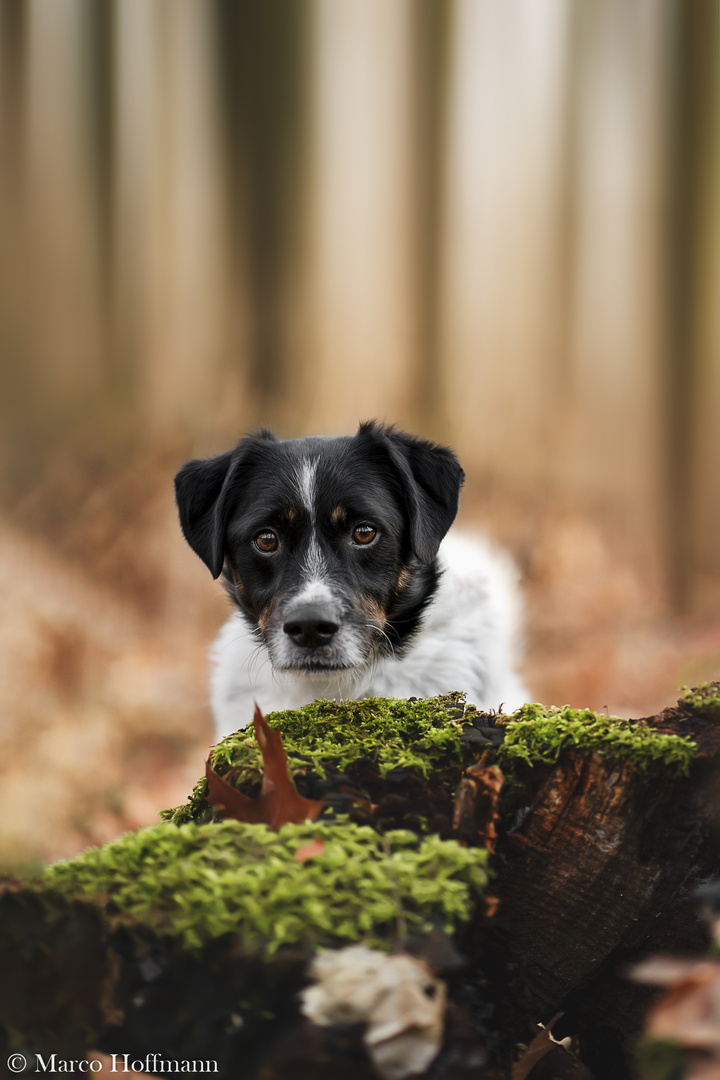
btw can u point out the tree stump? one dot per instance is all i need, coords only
(600, 864)
(599, 831)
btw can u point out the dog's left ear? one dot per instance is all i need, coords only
(431, 478)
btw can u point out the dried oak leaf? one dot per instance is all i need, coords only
(702, 1068)
(279, 802)
(689, 1012)
(309, 851)
(543, 1044)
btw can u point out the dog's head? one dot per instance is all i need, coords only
(328, 545)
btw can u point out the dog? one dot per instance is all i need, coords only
(334, 552)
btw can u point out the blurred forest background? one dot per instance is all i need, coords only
(495, 222)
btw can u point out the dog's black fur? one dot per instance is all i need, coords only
(319, 500)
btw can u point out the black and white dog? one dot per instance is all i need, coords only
(331, 550)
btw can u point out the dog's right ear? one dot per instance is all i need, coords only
(199, 490)
(202, 490)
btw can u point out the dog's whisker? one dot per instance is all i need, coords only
(257, 661)
(383, 634)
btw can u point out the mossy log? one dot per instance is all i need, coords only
(595, 830)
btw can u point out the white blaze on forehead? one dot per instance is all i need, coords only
(314, 563)
(315, 591)
(306, 480)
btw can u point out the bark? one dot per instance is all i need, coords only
(599, 868)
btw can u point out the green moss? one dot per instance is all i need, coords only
(700, 698)
(199, 882)
(393, 733)
(427, 734)
(538, 735)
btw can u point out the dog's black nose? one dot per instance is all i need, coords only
(310, 627)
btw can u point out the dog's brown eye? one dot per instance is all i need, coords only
(266, 541)
(364, 534)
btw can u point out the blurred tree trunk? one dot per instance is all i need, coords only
(694, 209)
(100, 56)
(262, 76)
(431, 25)
(13, 64)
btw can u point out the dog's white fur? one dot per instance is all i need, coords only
(468, 641)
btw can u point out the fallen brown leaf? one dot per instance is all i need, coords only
(492, 903)
(279, 802)
(672, 970)
(689, 1013)
(540, 1046)
(309, 851)
(702, 1069)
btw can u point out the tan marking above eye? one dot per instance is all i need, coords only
(364, 534)
(337, 515)
(266, 541)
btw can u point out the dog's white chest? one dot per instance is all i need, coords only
(467, 642)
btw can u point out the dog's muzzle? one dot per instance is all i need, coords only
(317, 635)
(311, 626)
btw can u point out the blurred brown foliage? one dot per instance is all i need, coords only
(496, 227)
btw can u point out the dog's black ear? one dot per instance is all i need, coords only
(431, 478)
(201, 491)
(199, 487)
